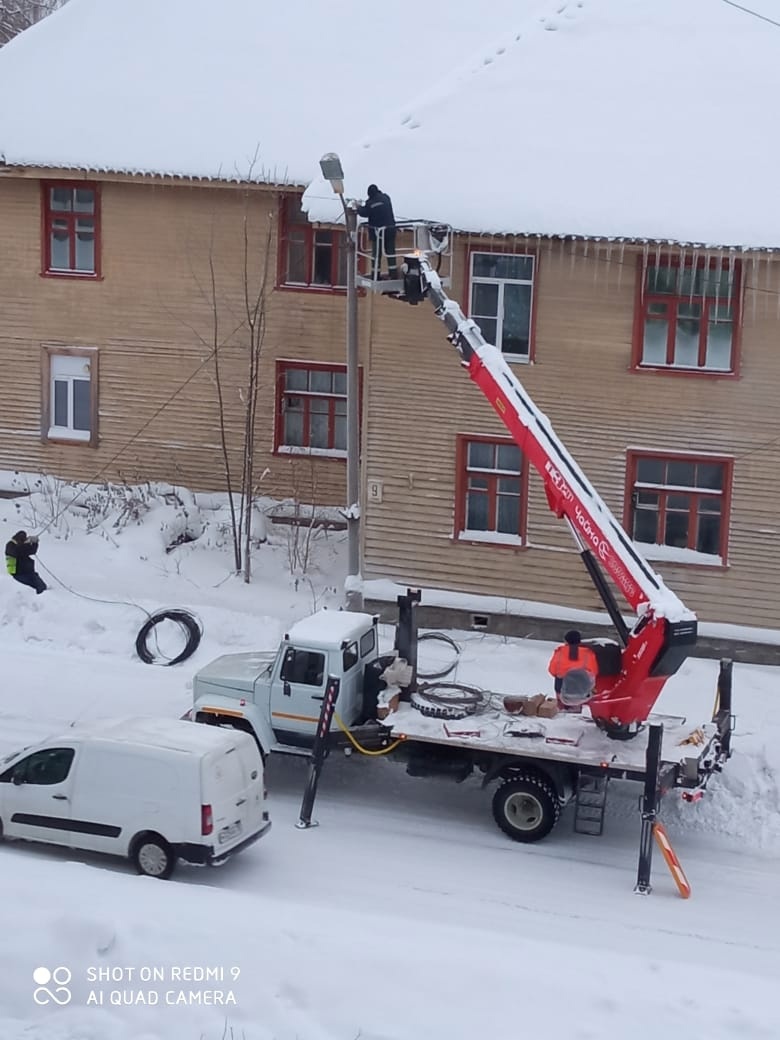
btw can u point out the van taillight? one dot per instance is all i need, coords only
(206, 819)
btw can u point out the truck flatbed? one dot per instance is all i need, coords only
(568, 738)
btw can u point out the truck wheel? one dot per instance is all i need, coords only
(153, 857)
(526, 807)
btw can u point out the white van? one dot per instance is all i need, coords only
(154, 790)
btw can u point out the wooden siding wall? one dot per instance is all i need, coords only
(420, 399)
(152, 319)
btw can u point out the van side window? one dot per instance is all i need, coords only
(303, 666)
(45, 767)
(349, 657)
(367, 642)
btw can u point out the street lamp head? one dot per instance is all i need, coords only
(332, 171)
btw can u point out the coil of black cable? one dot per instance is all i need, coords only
(189, 624)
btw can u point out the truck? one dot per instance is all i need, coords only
(538, 766)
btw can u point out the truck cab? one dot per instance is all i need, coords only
(278, 695)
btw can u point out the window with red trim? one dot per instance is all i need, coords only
(681, 502)
(311, 257)
(312, 408)
(71, 228)
(490, 490)
(689, 315)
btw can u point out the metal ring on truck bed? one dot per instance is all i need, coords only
(447, 700)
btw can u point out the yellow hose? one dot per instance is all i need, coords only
(359, 747)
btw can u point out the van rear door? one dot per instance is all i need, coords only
(233, 792)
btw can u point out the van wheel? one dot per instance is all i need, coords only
(154, 857)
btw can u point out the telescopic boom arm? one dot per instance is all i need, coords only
(665, 629)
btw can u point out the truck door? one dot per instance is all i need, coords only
(296, 696)
(35, 796)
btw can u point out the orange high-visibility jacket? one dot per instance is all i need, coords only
(561, 662)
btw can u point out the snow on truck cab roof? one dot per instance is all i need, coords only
(329, 627)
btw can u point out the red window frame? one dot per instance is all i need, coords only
(280, 445)
(504, 251)
(695, 493)
(70, 218)
(308, 233)
(645, 299)
(461, 489)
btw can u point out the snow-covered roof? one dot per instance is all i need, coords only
(327, 628)
(237, 89)
(625, 118)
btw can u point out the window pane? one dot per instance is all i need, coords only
(502, 265)
(323, 257)
(321, 381)
(478, 483)
(645, 526)
(481, 455)
(340, 383)
(340, 433)
(60, 246)
(679, 502)
(516, 327)
(293, 422)
(85, 200)
(318, 424)
(296, 257)
(708, 534)
(680, 473)
(85, 247)
(508, 518)
(489, 329)
(718, 354)
(654, 345)
(650, 499)
(662, 279)
(509, 458)
(60, 402)
(484, 299)
(710, 505)
(81, 407)
(476, 511)
(650, 471)
(296, 379)
(709, 475)
(508, 486)
(686, 343)
(341, 274)
(676, 530)
(61, 199)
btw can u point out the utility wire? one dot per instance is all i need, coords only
(755, 14)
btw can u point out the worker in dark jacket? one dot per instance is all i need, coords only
(378, 209)
(574, 668)
(19, 561)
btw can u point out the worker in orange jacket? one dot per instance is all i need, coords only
(574, 668)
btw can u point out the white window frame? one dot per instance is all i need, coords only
(68, 365)
(501, 282)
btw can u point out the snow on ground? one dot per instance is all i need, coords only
(406, 913)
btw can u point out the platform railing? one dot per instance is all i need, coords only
(376, 260)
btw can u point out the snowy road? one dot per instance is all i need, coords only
(405, 913)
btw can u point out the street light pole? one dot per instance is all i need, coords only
(332, 171)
